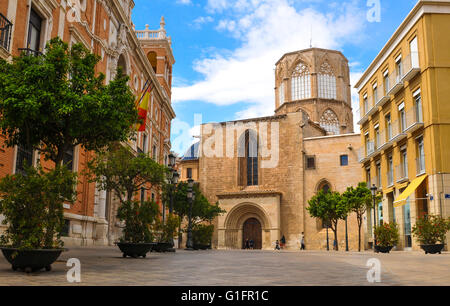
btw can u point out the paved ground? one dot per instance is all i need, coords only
(105, 266)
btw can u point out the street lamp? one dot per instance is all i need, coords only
(173, 181)
(374, 190)
(191, 198)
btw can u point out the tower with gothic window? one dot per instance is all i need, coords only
(315, 82)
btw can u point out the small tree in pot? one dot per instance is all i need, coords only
(387, 237)
(52, 103)
(32, 205)
(431, 232)
(125, 173)
(165, 232)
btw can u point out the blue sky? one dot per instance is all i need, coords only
(225, 50)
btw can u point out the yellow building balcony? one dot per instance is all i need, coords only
(414, 120)
(411, 66)
(395, 82)
(401, 173)
(382, 96)
(367, 109)
(420, 165)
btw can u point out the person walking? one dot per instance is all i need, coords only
(277, 246)
(252, 244)
(302, 241)
(247, 244)
(283, 241)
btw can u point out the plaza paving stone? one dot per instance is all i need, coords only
(105, 266)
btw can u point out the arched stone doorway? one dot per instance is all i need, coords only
(252, 230)
(247, 220)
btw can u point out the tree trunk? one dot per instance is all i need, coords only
(359, 232)
(335, 236)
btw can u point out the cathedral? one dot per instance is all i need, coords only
(263, 171)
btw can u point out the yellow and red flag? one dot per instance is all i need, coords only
(142, 105)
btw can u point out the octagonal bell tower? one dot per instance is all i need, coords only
(315, 82)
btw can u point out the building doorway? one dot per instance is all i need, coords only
(252, 231)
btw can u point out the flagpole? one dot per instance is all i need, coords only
(143, 92)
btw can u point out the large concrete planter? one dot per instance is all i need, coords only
(432, 248)
(163, 247)
(31, 260)
(383, 249)
(135, 250)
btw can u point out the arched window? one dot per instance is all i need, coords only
(301, 82)
(152, 59)
(327, 82)
(330, 122)
(122, 64)
(248, 159)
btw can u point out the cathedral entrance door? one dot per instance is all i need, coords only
(252, 231)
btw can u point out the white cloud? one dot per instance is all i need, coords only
(267, 29)
(183, 135)
(184, 2)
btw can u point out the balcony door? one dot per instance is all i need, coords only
(414, 53)
(34, 31)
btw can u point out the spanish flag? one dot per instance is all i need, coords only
(142, 105)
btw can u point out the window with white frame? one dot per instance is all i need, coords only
(301, 82)
(327, 82)
(418, 106)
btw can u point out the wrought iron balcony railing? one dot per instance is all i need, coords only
(29, 51)
(5, 32)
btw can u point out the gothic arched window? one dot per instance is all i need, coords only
(301, 82)
(248, 159)
(330, 122)
(327, 82)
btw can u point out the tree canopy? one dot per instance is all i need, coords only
(55, 101)
(119, 170)
(329, 207)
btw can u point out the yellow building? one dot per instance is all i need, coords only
(405, 121)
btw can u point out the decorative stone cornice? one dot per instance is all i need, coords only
(250, 194)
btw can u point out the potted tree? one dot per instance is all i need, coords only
(431, 232)
(137, 237)
(125, 173)
(202, 235)
(165, 233)
(387, 237)
(32, 204)
(51, 103)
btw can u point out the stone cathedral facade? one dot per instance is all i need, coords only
(263, 171)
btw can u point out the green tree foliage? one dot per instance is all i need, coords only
(119, 170)
(166, 232)
(138, 217)
(202, 210)
(359, 200)
(202, 234)
(387, 234)
(328, 207)
(55, 101)
(32, 205)
(431, 229)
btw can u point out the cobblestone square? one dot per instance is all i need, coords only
(105, 266)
